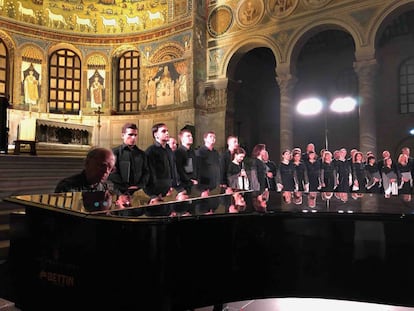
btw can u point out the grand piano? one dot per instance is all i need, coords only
(74, 251)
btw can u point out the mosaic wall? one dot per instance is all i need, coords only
(168, 73)
(97, 17)
(31, 82)
(165, 81)
(167, 85)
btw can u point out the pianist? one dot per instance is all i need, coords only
(99, 163)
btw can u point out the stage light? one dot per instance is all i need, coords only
(309, 106)
(343, 104)
(313, 105)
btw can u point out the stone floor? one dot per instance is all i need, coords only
(279, 304)
(308, 304)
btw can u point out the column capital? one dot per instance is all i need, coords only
(286, 82)
(284, 78)
(365, 53)
(366, 68)
(218, 84)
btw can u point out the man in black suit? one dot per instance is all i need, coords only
(131, 165)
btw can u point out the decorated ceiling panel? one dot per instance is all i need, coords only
(102, 17)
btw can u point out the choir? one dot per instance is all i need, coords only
(297, 173)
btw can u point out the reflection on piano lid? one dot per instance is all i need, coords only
(139, 204)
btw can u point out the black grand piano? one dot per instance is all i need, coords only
(74, 251)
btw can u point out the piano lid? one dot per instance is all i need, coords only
(140, 205)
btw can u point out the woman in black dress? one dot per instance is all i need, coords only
(373, 176)
(329, 178)
(236, 173)
(389, 175)
(358, 173)
(313, 167)
(344, 171)
(300, 178)
(405, 185)
(285, 181)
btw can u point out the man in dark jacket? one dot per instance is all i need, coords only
(185, 159)
(132, 171)
(163, 172)
(208, 164)
(226, 157)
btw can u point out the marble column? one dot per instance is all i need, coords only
(366, 71)
(286, 83)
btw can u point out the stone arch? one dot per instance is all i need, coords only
(233, 55)
(237, 109)
(388, 87)
(387, 14)
(167, 52)
(321, 83)
(302, 35)
(122, 49)
(60, 46)
(8, 41)
(11, 50)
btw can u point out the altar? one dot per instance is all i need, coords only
(55, 132)
(62, 132)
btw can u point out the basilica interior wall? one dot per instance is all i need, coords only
(159, 31)
(285, 26)
(197, 44)
(392, 126)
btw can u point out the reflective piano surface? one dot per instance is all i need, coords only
(97, 250)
